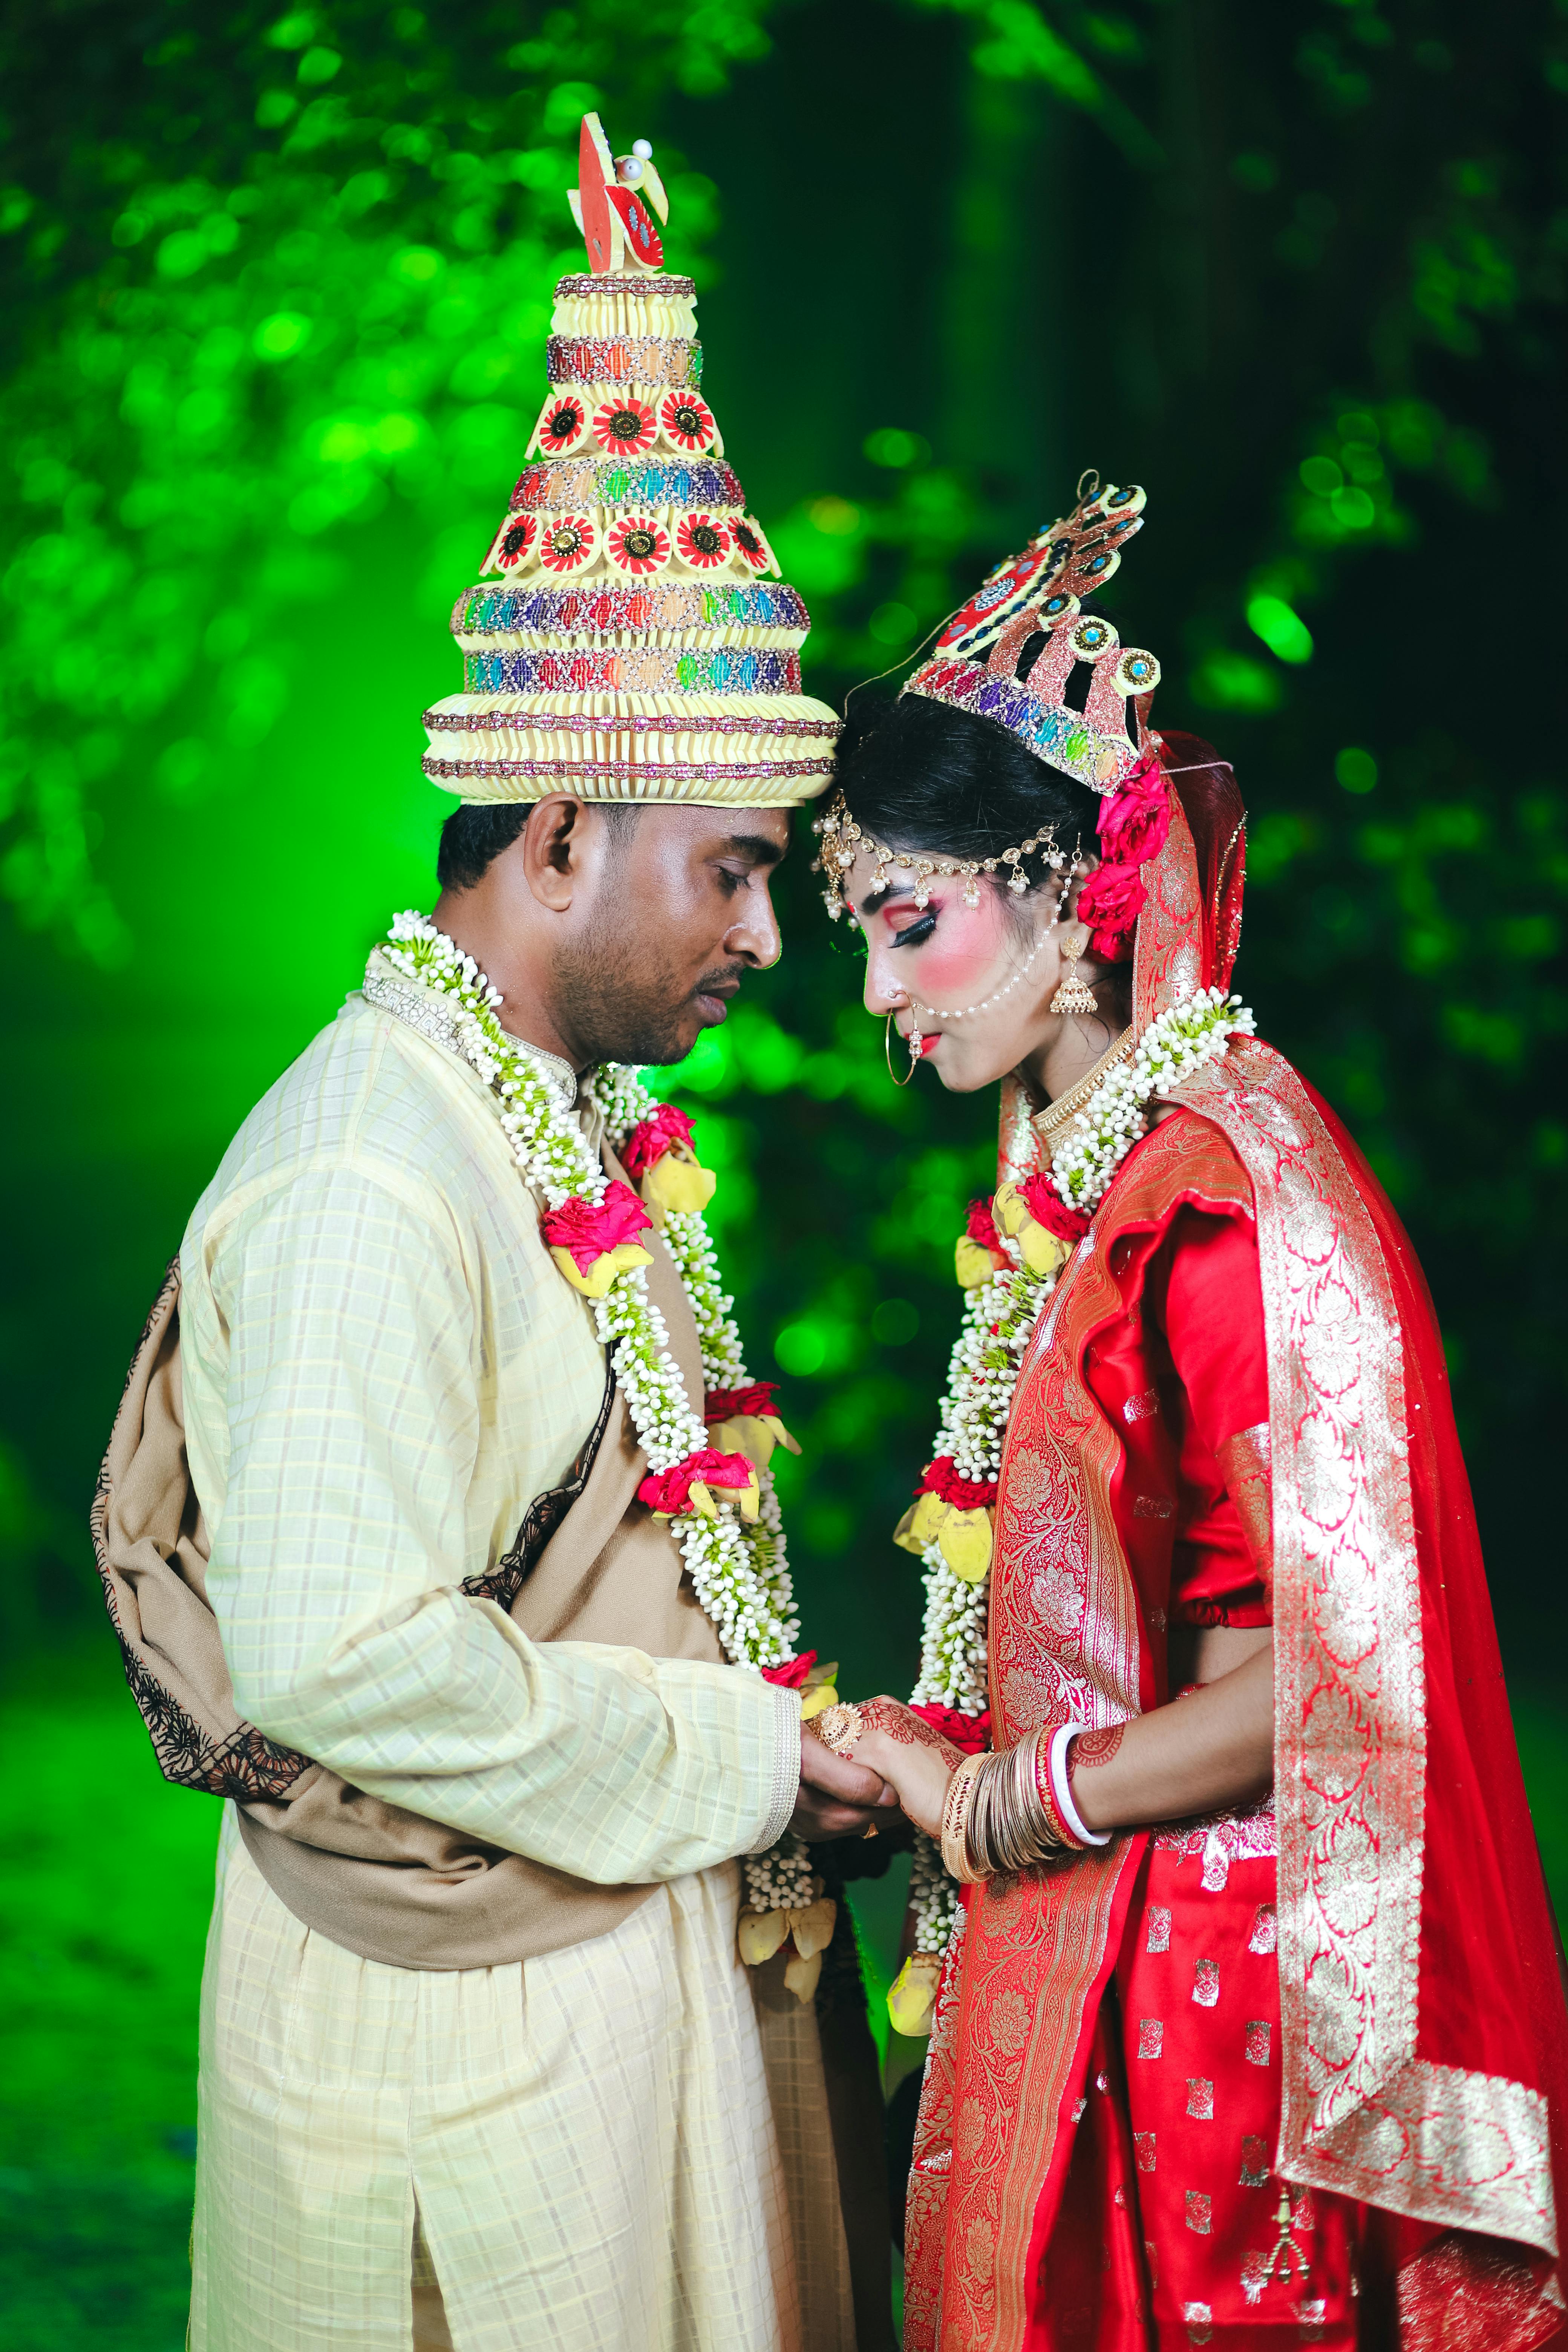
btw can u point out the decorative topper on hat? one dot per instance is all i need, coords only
(607, 202)
(631, 650)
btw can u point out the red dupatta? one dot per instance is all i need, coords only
(1424, 2042)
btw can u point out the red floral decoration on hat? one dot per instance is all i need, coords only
(625, 426)
(702, 542)
(1110, 902)
(514, 539)
(638, 543)
(750, 543)
(688, 421)
(561, 426)
(567, 543)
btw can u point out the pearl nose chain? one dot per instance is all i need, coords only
(936, 1012)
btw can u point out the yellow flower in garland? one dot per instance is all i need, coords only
(742, 1421)
(956, 1515)
(660, 1156)
(978, 1256)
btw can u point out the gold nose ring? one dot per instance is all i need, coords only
(888, 1055)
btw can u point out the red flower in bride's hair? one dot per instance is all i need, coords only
(1048, 1208)
(969, 1732)
(1135, 818)
(1110, 902)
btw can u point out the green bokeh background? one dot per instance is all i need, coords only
(275, 291)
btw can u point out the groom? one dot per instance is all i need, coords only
(392, 1569)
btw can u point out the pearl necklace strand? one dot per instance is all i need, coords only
(936, 1012)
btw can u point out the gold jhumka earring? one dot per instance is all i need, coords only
(1074, 996)
(888, 1054)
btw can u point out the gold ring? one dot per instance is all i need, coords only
(839, 1727)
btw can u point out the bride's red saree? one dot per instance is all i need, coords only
(1398, 2184)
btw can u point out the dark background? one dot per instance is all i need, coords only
(274, 295)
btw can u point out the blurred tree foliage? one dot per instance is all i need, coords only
(276, 294)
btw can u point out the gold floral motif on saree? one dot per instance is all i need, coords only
(1361, 2115)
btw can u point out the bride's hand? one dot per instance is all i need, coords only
(916, 1761)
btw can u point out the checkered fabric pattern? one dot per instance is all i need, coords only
(383, 1368)
(588, 2139)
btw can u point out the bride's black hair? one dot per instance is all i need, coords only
(916, 774)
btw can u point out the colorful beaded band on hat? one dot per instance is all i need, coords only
(709, 771)
(724, 669)
(1050, 730)
(582, 287)
(666, 604)
(623, 358)
(566, 484)
(589, 723)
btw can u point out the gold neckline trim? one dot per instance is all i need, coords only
(1056, 1113)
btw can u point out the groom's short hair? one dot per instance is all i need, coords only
(474, 836)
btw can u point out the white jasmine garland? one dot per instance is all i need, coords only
(739, 1572)
(999, 1318)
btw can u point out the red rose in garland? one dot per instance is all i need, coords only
(592, 1245)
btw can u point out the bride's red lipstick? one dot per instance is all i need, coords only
(930, 1045)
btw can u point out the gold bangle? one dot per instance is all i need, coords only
(955, 1817)
(839, 1727)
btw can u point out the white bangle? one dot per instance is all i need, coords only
(1061, 1786)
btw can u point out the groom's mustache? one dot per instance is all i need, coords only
(721, 982)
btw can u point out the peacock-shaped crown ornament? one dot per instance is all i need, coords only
(630, 638)
(1009, 652)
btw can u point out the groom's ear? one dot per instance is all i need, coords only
(555, 849)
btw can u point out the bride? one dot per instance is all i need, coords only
(1230, 1927)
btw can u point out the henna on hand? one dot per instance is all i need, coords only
(907, 1729)
(1092, 1748)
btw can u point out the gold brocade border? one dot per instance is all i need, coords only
(1067, 1641)
(1360, 2114)
(1167, 958)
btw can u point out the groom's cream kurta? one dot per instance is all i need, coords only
(382, 1368)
